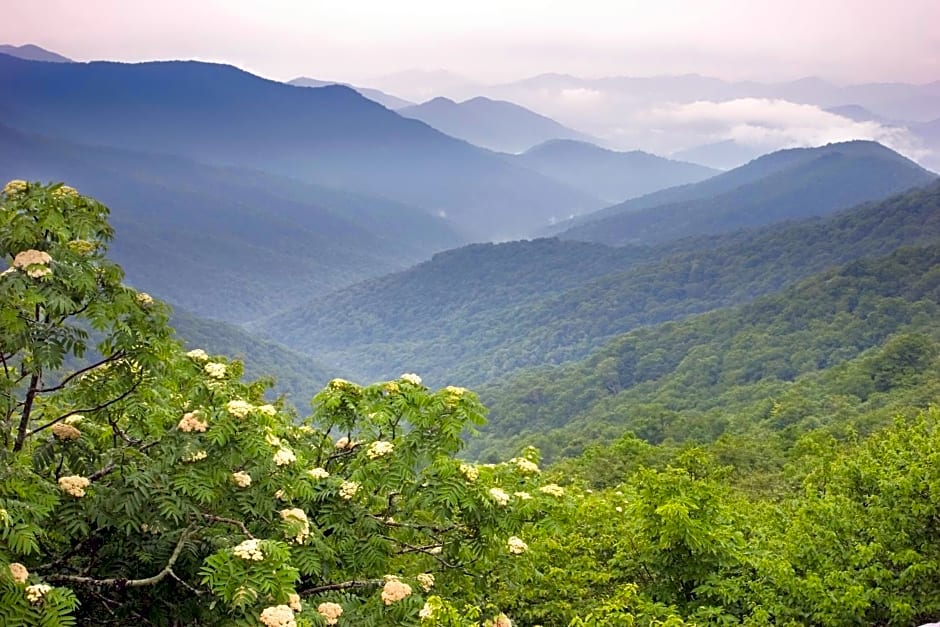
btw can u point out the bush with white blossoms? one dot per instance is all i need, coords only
(183, 492)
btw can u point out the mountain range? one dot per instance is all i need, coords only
(494, 124)
(612, 175)
(330, 136)
(478, 313)
(386, 100)
(784, 185)
(227, 243)
(32, 52)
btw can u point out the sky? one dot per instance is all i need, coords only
(491, 41)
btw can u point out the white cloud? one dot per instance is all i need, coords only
(773, 124)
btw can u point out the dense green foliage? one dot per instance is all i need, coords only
(152, 486)
(479, 313)
(784, 185)
(696, 378)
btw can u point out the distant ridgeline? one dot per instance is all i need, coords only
(477, 314)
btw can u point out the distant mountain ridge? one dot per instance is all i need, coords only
(494, 124)
(386, 100)
(31, 52)
(460, 318)
(225, 243)
(787, 184)
(331, 136)
(612, 175)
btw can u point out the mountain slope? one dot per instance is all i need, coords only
(330, 135)
(493, 124)
(799, 183)
(386, 100)
(31, 52)
(478, 313)
(663, 381)
(226, 243)
(609, 174)
(296, 376)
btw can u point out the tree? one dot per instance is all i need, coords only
(140, 484)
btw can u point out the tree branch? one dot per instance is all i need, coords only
(66, 380)
(117, 399)
(346, 585)
(130, 583)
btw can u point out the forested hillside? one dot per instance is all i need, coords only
(692, 380)
(479, 313)
(777, 483)
(782, 186)
(297, 377)
(260, 242)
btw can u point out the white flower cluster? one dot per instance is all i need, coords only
(499, 496)
(502, 621)
(74, 485)
(144, 299)
(65, 431)
(35, 593)
(14, 187)
(344, 444)
(426, 581)
(525, 466)
(427, 612)
(267, 409)
(35, 262)
(65, 192)
(272, 439)
(297, 517)
(293, 601)
(380, 449)
(242, 479)
(196, 456)
(278, 616)
(238, 407)
(516, 546)
(215, 369)
(348, 490)
(411, 378)
(330, 612)
(190, 422)
(284, 456)
(470, 472)
(318, 473)
(522, 496)
(249, 550)
(553, 489)
(394, 590)
(19, 572)
(198, 354)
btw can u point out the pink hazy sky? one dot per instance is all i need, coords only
(847, 41)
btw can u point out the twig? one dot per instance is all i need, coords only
(230, 521)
